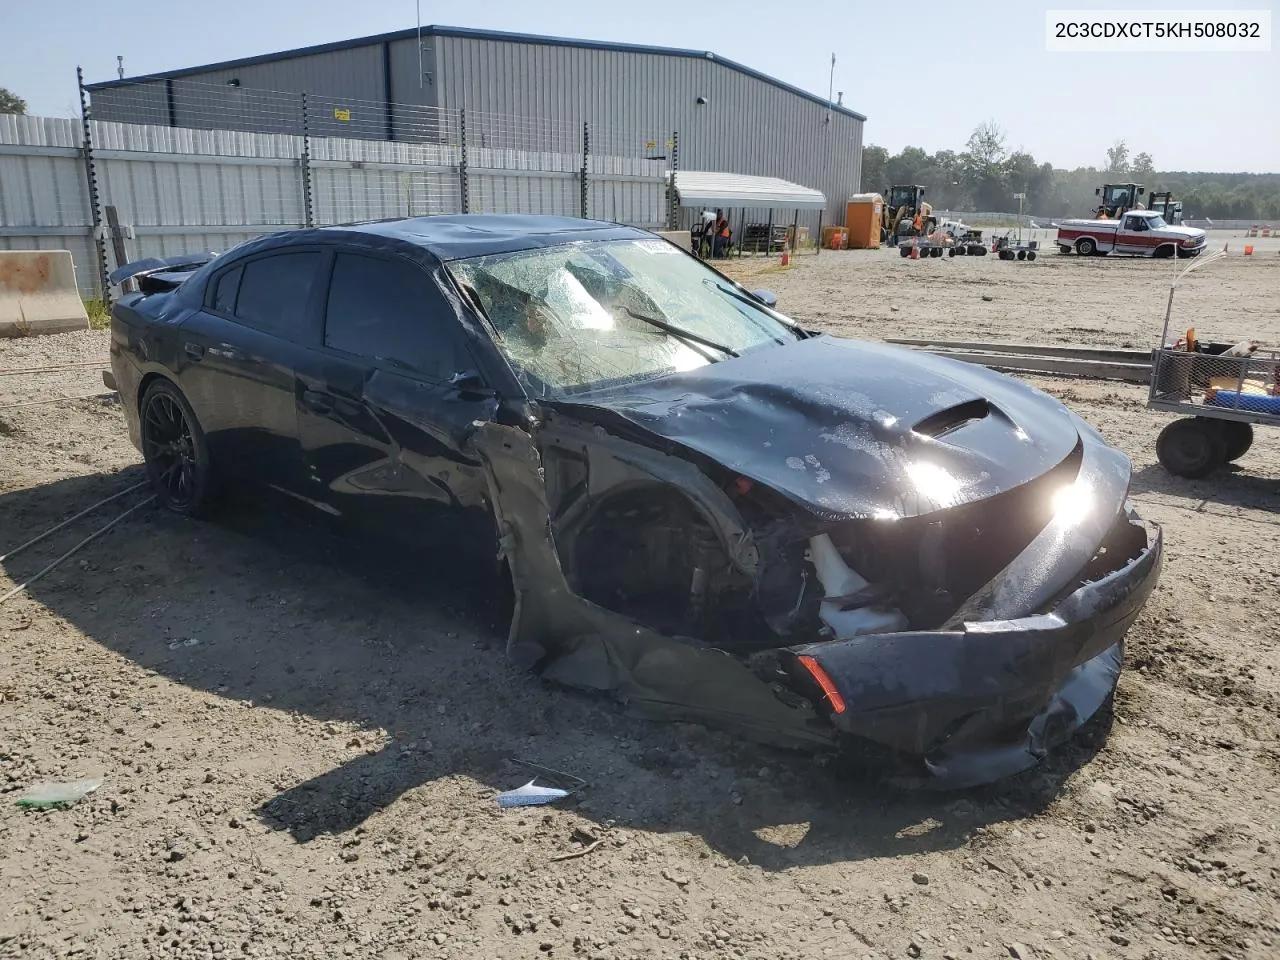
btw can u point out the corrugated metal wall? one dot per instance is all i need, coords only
(44, 199)
(747, 125)
(631, 99)
(180, 190)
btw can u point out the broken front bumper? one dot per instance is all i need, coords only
(989, 698)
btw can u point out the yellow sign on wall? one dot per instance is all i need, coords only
(341, 113)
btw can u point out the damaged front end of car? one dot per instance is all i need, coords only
(960, 645)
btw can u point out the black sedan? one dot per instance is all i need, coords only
(701, 507)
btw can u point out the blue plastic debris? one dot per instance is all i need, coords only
(530, 796)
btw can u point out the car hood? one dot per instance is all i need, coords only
(852, 429)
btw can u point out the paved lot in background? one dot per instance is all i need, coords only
(300, 742)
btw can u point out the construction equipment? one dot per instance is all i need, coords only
(903, 202)
(1162, 202)
(1116, 198)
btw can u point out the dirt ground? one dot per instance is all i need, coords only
(300, 741)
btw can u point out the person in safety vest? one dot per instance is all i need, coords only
(723, 234)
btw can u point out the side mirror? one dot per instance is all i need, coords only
(1141, 191)
(469, 382)
(1097, 191)
(767, 297)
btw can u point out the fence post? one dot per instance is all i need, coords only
(91, 178)
(586, 153)
(673, 203)
(308, 215)
(464, 188)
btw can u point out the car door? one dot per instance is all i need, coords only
(1133, 235)
(386, 401)
(236, 360)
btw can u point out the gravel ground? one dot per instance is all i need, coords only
(300, 741)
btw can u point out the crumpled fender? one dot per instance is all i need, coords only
(577, 643)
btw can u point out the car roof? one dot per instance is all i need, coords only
(475, 235)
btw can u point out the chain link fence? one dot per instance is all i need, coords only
(162, 169)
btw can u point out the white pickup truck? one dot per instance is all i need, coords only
(1142, 233)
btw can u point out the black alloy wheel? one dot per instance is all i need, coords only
(175, 451)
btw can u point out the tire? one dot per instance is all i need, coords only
(1192, 447)
(935, 252)
(176, 451)
(1238, 437)
(952, 251)
(1086, 247)
(1031, 254)
(1062, 249)
(977, 250)
(904, 251)
(1164, 253)
(1022, 254)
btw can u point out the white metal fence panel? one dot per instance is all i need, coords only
(44, 197)
(176, 190)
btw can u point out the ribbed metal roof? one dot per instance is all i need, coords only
(435, 30)
(698, 188)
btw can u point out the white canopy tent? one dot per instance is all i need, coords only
(698, 188)
(701, 189)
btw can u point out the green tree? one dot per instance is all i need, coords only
(1143, 167)
(875, 163)
(10, 102)
(1118, 158)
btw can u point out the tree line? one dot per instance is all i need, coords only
(987, 174)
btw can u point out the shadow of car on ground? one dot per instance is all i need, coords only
(292, 618)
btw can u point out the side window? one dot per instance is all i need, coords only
(225, 290)
(274, 292)
(389, 309)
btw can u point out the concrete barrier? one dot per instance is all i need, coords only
(38, 293)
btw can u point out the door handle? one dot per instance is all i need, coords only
(317, 402)
(193, 351)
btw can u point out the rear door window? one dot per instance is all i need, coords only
(275, 290)
(386, 309)
(224, 292)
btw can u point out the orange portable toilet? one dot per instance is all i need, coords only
(863, 217)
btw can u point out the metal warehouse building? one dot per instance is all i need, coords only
(728, 117)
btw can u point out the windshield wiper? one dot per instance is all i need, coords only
(681, 333)
(751, 302)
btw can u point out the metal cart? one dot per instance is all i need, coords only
(1221, 396)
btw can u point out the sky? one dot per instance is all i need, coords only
(925, 74)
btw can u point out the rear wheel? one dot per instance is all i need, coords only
(1031, 254)
(175, 451)
(1022, 254)
(1193, 447)
(1063, 249)
(1086, 247)
(1238, 437)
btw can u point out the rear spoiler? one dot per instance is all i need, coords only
(156, 274)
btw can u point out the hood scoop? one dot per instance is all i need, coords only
(953, 418)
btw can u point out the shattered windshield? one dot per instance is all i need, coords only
(582, 316)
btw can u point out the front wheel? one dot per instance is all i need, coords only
(1238, 437)
(175, 451)
(1193, 447)
(1086, 247)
